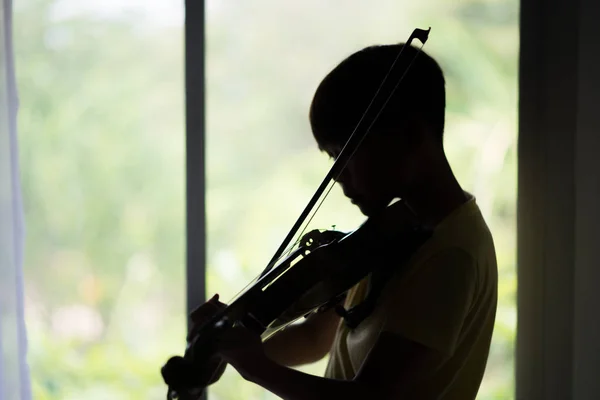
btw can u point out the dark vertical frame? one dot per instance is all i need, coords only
(195, 154)
(558, 351)
(545, 201)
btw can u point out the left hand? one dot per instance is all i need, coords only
(241, 348)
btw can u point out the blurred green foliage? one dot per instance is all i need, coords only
(102, 150)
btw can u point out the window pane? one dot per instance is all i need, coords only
(102, 148)
(265, 59)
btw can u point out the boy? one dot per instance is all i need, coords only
(430, 335)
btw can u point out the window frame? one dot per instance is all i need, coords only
(194, 31)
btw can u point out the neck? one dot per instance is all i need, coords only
(436, 195)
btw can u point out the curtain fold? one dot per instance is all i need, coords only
(14, 371)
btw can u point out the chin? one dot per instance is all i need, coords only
(366, 210)
(374, 207)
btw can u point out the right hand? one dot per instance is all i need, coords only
(216, 366)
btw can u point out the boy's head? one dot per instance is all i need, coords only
(407, 134)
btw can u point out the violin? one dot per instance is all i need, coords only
(298, 284)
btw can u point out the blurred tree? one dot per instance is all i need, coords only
(101, 137)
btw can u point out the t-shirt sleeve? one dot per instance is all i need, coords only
(431, 306)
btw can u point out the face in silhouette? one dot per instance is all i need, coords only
(383, 168)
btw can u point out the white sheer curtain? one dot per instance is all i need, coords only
(14, 372)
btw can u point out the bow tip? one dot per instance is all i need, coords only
(421, 34)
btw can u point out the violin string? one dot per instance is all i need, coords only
(338, 173)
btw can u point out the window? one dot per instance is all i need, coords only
(102, 150)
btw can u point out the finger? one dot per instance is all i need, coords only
(209, 301)
(205, 309)
(203, 312)
(201, 315)
(212, 302)
(217, 370)
(193, 332)
(197, 326)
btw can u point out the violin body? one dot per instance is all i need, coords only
(313, 278)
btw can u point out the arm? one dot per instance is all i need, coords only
(311, 340)
(389, 371)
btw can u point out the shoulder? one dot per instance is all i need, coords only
(445, 268)
(462, 241)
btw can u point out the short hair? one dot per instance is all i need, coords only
(344, 94)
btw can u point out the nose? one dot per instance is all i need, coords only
(344, 179)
